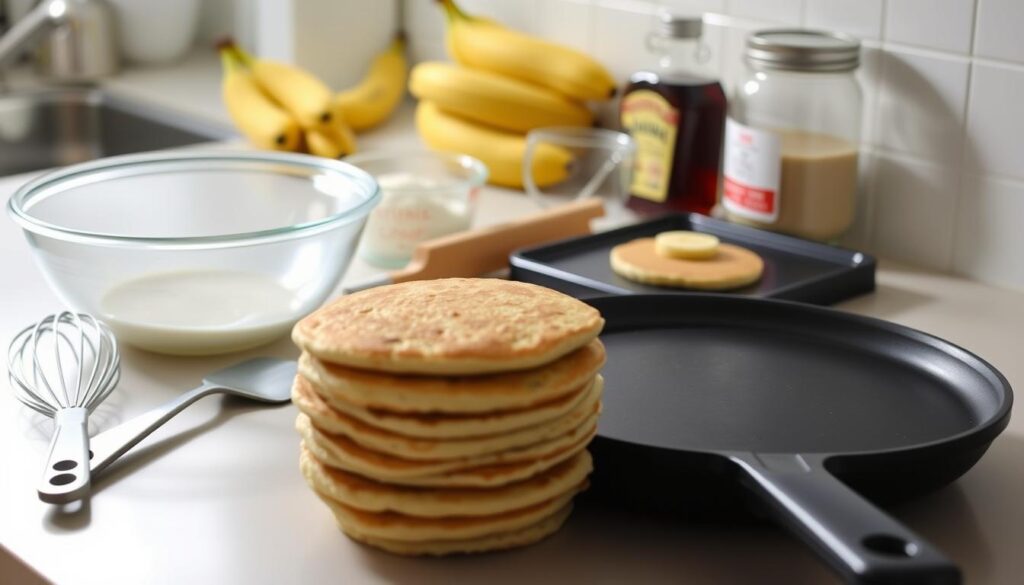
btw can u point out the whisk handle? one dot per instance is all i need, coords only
(109, 445)
(66, 477)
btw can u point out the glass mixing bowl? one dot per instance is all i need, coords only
(200, 252)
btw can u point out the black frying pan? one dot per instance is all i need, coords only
(789, 399)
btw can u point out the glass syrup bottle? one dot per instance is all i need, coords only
(676, 116)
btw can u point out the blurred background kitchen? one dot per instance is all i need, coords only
(941, 163)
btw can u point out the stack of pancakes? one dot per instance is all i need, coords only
(449, 416)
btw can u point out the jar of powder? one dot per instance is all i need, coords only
(792, 134)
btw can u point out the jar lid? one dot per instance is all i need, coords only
(679, 27)
(803, 50)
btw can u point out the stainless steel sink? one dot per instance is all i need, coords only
(55, 127)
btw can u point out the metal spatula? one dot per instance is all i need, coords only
(263, 379)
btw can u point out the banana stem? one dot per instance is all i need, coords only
(228, 46)
(452, 10)
(229, 57)
(240, 54)
(227, 61)
(399, 42)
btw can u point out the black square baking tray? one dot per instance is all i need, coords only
(794, 269)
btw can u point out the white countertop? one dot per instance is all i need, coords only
(215, 496)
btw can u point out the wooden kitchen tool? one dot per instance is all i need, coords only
(484, 250)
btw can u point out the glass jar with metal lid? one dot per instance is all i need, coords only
(792, 135)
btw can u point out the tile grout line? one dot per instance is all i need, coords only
(882, 28)
(873, 196)
(871, 189)
(891, 153)
(965, 149)
(729, 21)
(998, 63)
(720, 53)
(591, 26)
(1008, 180)
(974, 27)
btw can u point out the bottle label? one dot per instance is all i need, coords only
(752, 169)
(652, 122)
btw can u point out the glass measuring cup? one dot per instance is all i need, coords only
(602, 166)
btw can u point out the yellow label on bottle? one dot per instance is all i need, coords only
(652, 122)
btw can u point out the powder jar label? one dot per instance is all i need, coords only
(752, 169)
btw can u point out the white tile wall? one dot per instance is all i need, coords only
(519, 14)
(998, 29)
(860, 18)
(990, 240)
(943, 154)
(936, 24)
(921, 104)
(914, 204)
(569, 21)
(619, 33)
(995, 126)
(869, 74)
(695, 6)
(775, 11)
(424, 23)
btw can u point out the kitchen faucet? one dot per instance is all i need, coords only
(80, 44)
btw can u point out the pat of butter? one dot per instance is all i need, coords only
(686, 245)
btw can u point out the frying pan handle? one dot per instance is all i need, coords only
(857, 539)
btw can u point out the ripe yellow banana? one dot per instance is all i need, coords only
(484, 44)
(255, 115)
(502, 152)
(503, 102)
(307, 98)
(341, 131)
(333, 141)
(322, 144)
(378, 94)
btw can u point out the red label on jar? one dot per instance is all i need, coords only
(752, 170)
(751, 198)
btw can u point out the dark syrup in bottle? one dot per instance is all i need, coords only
(677, 121)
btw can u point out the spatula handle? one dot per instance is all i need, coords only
(66, 476)
(109, 445)
(858, 540)
(484, 250)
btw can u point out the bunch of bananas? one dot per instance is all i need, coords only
(282, 107)
(505, 83)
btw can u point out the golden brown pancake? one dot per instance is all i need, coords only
(395, 526)
(459, 326)
(372, 496)
(332, 421)
(461, 394)
(732, 267)
(491, 542)
(486, 471)
(464, 426)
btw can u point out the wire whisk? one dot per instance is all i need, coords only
(63, 367)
